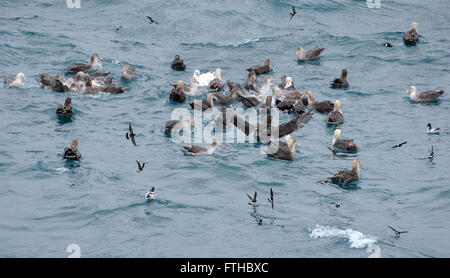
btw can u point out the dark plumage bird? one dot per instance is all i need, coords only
(140, 167)
(49, 82)
(128, 72)
(216, 84)
(249, 100)
(292, 13)
(118, 28)
(322, 106)
(205, 104)
(85, 67)
(387, 44)
(177, 93)
(66, 109)
(411, 36)
(336, 205)
(333, 151)
(252, 82)
(348, 176)
(261, 69)
(397, 233)
(271, 197)
(199, 150)
(177, 125)
(431, 155)
(252, 199)
(399, 145)
(72, 152)
(427, 96)
(177, 63)
(340, 82)
(130, 134)
(224, 100)
(282, 150)
(257, 219)
(151, 20)
(309, 55)
(335, 116)
(343, 144)
(114, 89)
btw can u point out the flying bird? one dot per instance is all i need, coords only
(397, 233)
(151, 20)
(292, 13)
(118, 28)
(431, 153)
(257, 219)
(131, 134)
(140, 167)
(151, 194)
(252, 200)
(336, 205)
(399, 145)
(271, 197)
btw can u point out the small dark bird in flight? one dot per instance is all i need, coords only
(151, 194)
(151, 20)
(118, 28)
(336, 205)
(333, 151)
(399, 145)
(387, 44)
(257, 219)
(292, 13)
(252, 200)
(271, 197)
(431, 153)
(131, 134)
(397, 233)
(140, 167)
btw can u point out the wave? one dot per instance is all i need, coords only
(356, 239)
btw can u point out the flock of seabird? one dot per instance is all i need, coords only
(284, 97)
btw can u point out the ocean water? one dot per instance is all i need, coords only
(201, 208)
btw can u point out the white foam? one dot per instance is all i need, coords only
(62, 169)
(356, 239)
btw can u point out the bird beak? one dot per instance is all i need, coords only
(223, 146)
(407, 92)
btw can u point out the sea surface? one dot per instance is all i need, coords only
(201, 208)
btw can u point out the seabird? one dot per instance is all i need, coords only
(387, 44)
(177, 63)
(257, 219)
(177, 92)
(206, 104)
(216, 84)
(198, 150)
(114, 89)
(348, 176)
(128, 72)
(118, 28)
(56, 84)
(85, 67)
(249, 100)
(72, 152)
(309, 55)
(140, 167)
(66, 110)
(265, 106)
(283, 150)
(322, 106)
(432, 130)
(252, 82)
(151, 194)
(342, 144)
(335, 116)
(336, 205)
(131, 134)
(411, 36)
(292, 13)
(261, 69)
(203, 79)
(397, 233)
(177, 125)
(17, 81)
(224, 100)
(192, 90)
(271, 197)
(340, 82)
(431, 153)
(151, 20)
(399, 145)
(252, 200)
(427, 96)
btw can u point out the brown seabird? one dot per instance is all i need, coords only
(177, 63)
(198, 150)
(427, 96)
(66, 109)
(128, 72)
(261, 69)
(343, 144)
(72, 152)
(140, 167)
(282, 150)
(85, 67)
(216, 84)
(411, 36)
(16, 81)
(309, 55)
(252, 199)
(130, 134)
(340, 82)
(271, 198)
(177, 125)
(205, 104)
(335, 116)
(322, 106)
(348, 176)
(397, 233)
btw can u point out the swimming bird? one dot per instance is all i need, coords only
(128, 72)
(177, 125)
(335, 116)
(265, 88)
(309, 55)
(336, 205)
(85, 67)
(114, 89)
(216, 84)
(282, 150)
(72, 152)
(248, 100)
(66, 109)
(340, 82)
(344, 144)
(252, 82)
(140, 167)
(198, 150)
(427, 96)
(397, 233)
(252, 200)
(292, 13)
(205, 104)
(177, 63)
(224, 100)
(151, 194)
(322, 106)
(399, 145)
(203, 79)
(411, 36)
(17, 81)
(271, 197)
(56, 84)
(151, 20)
(257, 219)
(348, 176)
(387, 44)
(177, 93)
(432, 130)
(431, 153)
(261, 69)
(192, 90)
(131, 134)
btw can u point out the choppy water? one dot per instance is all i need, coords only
(201, 208)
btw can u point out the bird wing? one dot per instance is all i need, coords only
(130, 129)
(430, 95)
(313, 53)
(78, 67)
(393, 229)
(195, 149)
(139, 165)
(254, 197)
(335, 117)
(294, 124)
(249, 197)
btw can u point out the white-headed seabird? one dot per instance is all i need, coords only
(340, 82)
(411, 36)
(216, 84)
(177, 63)
(427, 96)
(343, 144)
(283, 150)
(17, 81)
(335, 116)
(348, 176)
(309, 55)
(198, 150)
(85, 67)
